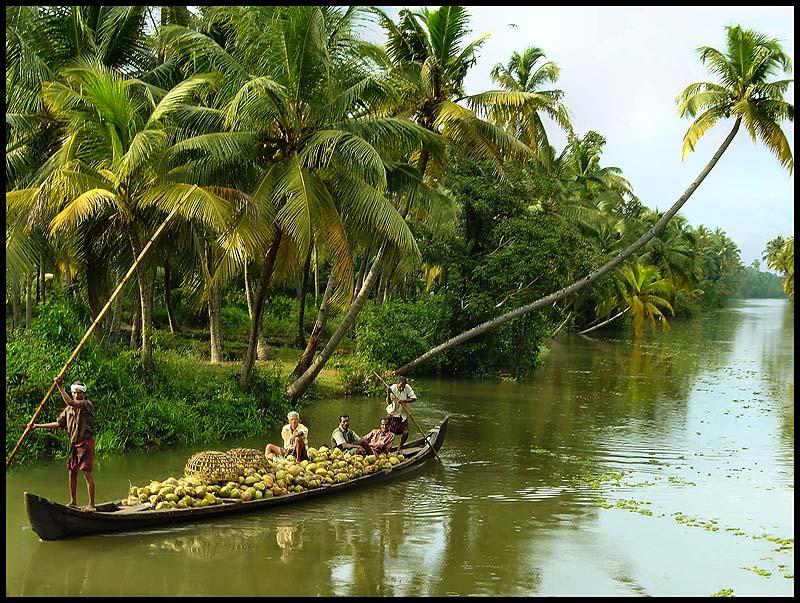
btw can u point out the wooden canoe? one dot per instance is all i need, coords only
(54, 521)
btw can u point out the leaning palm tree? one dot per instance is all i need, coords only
(745, 94)
(428, 57)
(522, 74)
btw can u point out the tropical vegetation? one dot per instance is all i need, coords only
(330, 199)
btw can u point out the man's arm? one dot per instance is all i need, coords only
(301, 432)
(385, 442)
(64, 395)
(53, 425)
(411, 395)
(338, 439)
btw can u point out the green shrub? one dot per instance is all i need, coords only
(397, 331)
(235, 319)
(58, 323)
(357, 375)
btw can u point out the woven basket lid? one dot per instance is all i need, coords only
(249, 457)
(211, 465)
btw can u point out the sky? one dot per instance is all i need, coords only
(621, 69)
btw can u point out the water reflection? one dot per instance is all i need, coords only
(288, 537)
(777, 367)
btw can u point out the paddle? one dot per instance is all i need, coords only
(102, 313)
(425, 437)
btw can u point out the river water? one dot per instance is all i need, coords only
(665, 468)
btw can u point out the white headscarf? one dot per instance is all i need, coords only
(77, 387)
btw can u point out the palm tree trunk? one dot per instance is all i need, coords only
(28, 301)
(316, 333)
(262, 349)
(147, 311)
(212, 291)
(16, 307)
(362, 272)
(258, 310)
(67, 276)
(114, 329)
(44, 281)
(387, 285)
(215, 323)
(136, 322)
(587, 280)
(299, 387)
(316, 276)
(605, 322)
(379, 288)
(173, 324)
(301, 296)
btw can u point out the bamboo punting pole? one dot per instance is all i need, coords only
(425, 437)
(89, 331)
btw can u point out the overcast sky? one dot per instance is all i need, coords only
(621, 69)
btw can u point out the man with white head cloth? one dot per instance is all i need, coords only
(78, 419)
(295, 439)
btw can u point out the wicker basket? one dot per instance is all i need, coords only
(249, 457)
(211, 466)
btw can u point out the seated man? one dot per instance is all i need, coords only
(379, 439)
(345, 438)
(295, 439)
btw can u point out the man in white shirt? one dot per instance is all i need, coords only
(295, 439)
(397, 396)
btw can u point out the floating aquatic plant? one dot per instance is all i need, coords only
(725, 592)
(759, 571)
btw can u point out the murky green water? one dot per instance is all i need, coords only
(662, 469)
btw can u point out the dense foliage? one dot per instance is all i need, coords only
(290, 154)
(755, 283)
(189, 403)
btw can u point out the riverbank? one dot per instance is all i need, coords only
(192, 401)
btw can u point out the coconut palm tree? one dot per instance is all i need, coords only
(641, 290)
(40, 40)
(744, 94)
(428, 59)
(522, 74)
(110, 169)
(296, 114)
(779, 256)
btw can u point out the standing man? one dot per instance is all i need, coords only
(345, 438)
(295, 439)
(78, 419)
(397, 396)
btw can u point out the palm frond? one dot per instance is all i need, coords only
(84, 207)
(180, 94)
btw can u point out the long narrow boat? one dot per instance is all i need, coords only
(53, 521)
